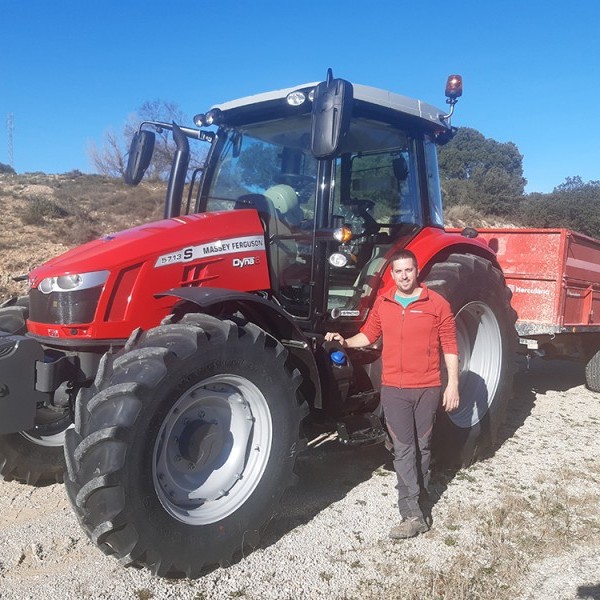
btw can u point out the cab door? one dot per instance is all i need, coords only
(377, 197)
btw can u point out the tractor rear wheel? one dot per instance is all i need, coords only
(35, 456)
(592, 372)
(486, 334)
(181, 454)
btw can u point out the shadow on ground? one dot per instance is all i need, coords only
(532, 380)
(589, 592)
(328, 472)
(545, 375)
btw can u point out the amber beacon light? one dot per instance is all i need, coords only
(454, 88)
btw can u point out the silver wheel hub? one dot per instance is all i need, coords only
(212, 449)
(480, 362)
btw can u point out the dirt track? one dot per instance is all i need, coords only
(521, 524)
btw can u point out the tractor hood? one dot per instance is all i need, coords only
(108, 287)
(145, 242)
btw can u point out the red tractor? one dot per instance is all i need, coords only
(179, 361)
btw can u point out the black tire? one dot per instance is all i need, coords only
(179, 401)
(36, 456)
(14, 314)
(487, 341)
(592, 372)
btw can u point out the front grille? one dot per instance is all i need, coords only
(64, 308)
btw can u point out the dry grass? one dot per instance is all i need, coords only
(45, 215)
(463, 215)
(493, 547)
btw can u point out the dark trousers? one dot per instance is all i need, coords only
(409, 415)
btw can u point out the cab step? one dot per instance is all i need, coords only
(361, 430)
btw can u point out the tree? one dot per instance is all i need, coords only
(481, 172)
(259, 164)
(572, 184)
(7, 169)
(111, 157)
(574, 204)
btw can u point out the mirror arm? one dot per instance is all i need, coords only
(196, 134)
(178, 173)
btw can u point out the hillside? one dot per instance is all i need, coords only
(45, 215)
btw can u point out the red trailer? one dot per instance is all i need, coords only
(554, 275)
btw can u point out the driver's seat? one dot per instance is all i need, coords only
(282, 248)
(285, 201)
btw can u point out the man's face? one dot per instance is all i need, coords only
(404, 274)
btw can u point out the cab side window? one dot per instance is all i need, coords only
(433, 183)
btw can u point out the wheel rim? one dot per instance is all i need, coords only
(49, 429)
(480, 362)
(212, 449)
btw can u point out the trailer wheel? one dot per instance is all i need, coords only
(180, 458)
(35, 456)
(486, 335)
(592, 373)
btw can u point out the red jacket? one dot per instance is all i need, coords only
(412, 337)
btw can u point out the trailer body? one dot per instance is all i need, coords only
(554, 276)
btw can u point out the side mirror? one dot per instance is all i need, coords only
(400, 169)
(140, 154)
(331, 112)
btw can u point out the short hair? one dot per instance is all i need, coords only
(403, 253)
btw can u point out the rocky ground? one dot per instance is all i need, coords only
(522, 524)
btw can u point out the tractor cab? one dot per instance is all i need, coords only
(338, 173)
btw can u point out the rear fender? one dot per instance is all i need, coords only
(432, 245)
(268, 316)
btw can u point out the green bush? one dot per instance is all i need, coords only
(38, 209)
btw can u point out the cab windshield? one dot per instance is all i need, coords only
(272, 159)
(373, 188)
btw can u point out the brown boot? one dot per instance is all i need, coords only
(409, 528)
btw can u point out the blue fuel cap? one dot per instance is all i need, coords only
(338, 358)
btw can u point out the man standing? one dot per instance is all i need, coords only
(414, 322)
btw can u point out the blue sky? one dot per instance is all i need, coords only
(71, 70)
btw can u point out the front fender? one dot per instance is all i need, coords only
(268, 316)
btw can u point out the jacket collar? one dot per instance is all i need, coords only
(390, 294)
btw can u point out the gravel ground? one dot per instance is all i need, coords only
(329, 540)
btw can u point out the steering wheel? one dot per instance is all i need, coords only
(363, 207)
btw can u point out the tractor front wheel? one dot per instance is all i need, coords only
(180, 456)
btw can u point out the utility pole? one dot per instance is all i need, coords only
(9, 130)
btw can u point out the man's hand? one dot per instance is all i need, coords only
(451, 399)
(331, 336)
(356, 341)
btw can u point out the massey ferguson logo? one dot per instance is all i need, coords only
(248, 261)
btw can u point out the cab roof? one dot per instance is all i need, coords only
(372, 96)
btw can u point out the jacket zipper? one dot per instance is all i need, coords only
(402, 335)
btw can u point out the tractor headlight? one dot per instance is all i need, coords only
(338, 259)
(72, 282)
(296, 98)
